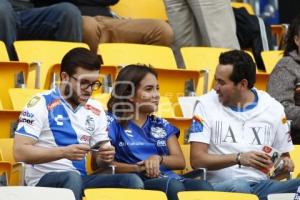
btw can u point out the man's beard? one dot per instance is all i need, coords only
(72, 98)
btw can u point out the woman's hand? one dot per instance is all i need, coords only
(151, 165)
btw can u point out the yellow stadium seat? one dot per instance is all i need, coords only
(10, 74)
(6, 147)
(102, 98)
(172, 84)
(153, 9)
(15, 174)
(124, 194)
(183, 124)
(120, 54)
(212, 195)
(165, 108)
(262, 79)
(279, 31)
(46, 53)
(3, 52)
(20, 96)
(207, 58)
(8, 122)
(161, 58)
(5, 170)
(295, 156)
(247, 6)
(270, 59)
(202, 58)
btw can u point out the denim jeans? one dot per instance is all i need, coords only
(262, 188)
(77, 183)
(171, 186)
(57, 22)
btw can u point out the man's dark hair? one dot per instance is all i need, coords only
(243, 66)
(80, 57)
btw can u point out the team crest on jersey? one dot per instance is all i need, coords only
(197, 125)
(90, 123)
(33, 101)
(158, 132)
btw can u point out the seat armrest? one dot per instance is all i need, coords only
(199, 173)
(19, 169)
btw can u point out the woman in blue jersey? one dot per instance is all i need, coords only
(145, 144)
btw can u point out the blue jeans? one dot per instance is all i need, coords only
(171, 186)
(57, 22)
(77, 183)
(235, 185)
(262, 189)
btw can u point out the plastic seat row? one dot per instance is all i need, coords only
(47, 193)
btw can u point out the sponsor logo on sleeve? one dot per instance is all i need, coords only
(25, 120)
(27, 114)
(26, 117)
(33, 101)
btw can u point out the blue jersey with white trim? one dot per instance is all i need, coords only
(52, 122)
(134, 144)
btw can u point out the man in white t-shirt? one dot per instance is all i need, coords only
(234, 128)
(57, 129)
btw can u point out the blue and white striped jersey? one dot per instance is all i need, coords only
(52, 122)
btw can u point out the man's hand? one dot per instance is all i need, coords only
(288, 165)
(257, 160)
(151, 165)
(75, 151)
(106, 154)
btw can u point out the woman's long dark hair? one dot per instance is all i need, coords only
(127, 82)
(293, 30)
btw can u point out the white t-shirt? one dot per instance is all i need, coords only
(50, 120)
(230, 131)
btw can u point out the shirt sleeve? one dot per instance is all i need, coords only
(170, 129)
(200, 130)
(101, 133)
(283, 141)
(112, 128)
(33, 117)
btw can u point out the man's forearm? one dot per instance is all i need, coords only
(214, 162)
(35, 155)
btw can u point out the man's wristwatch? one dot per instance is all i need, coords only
(238, 159)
